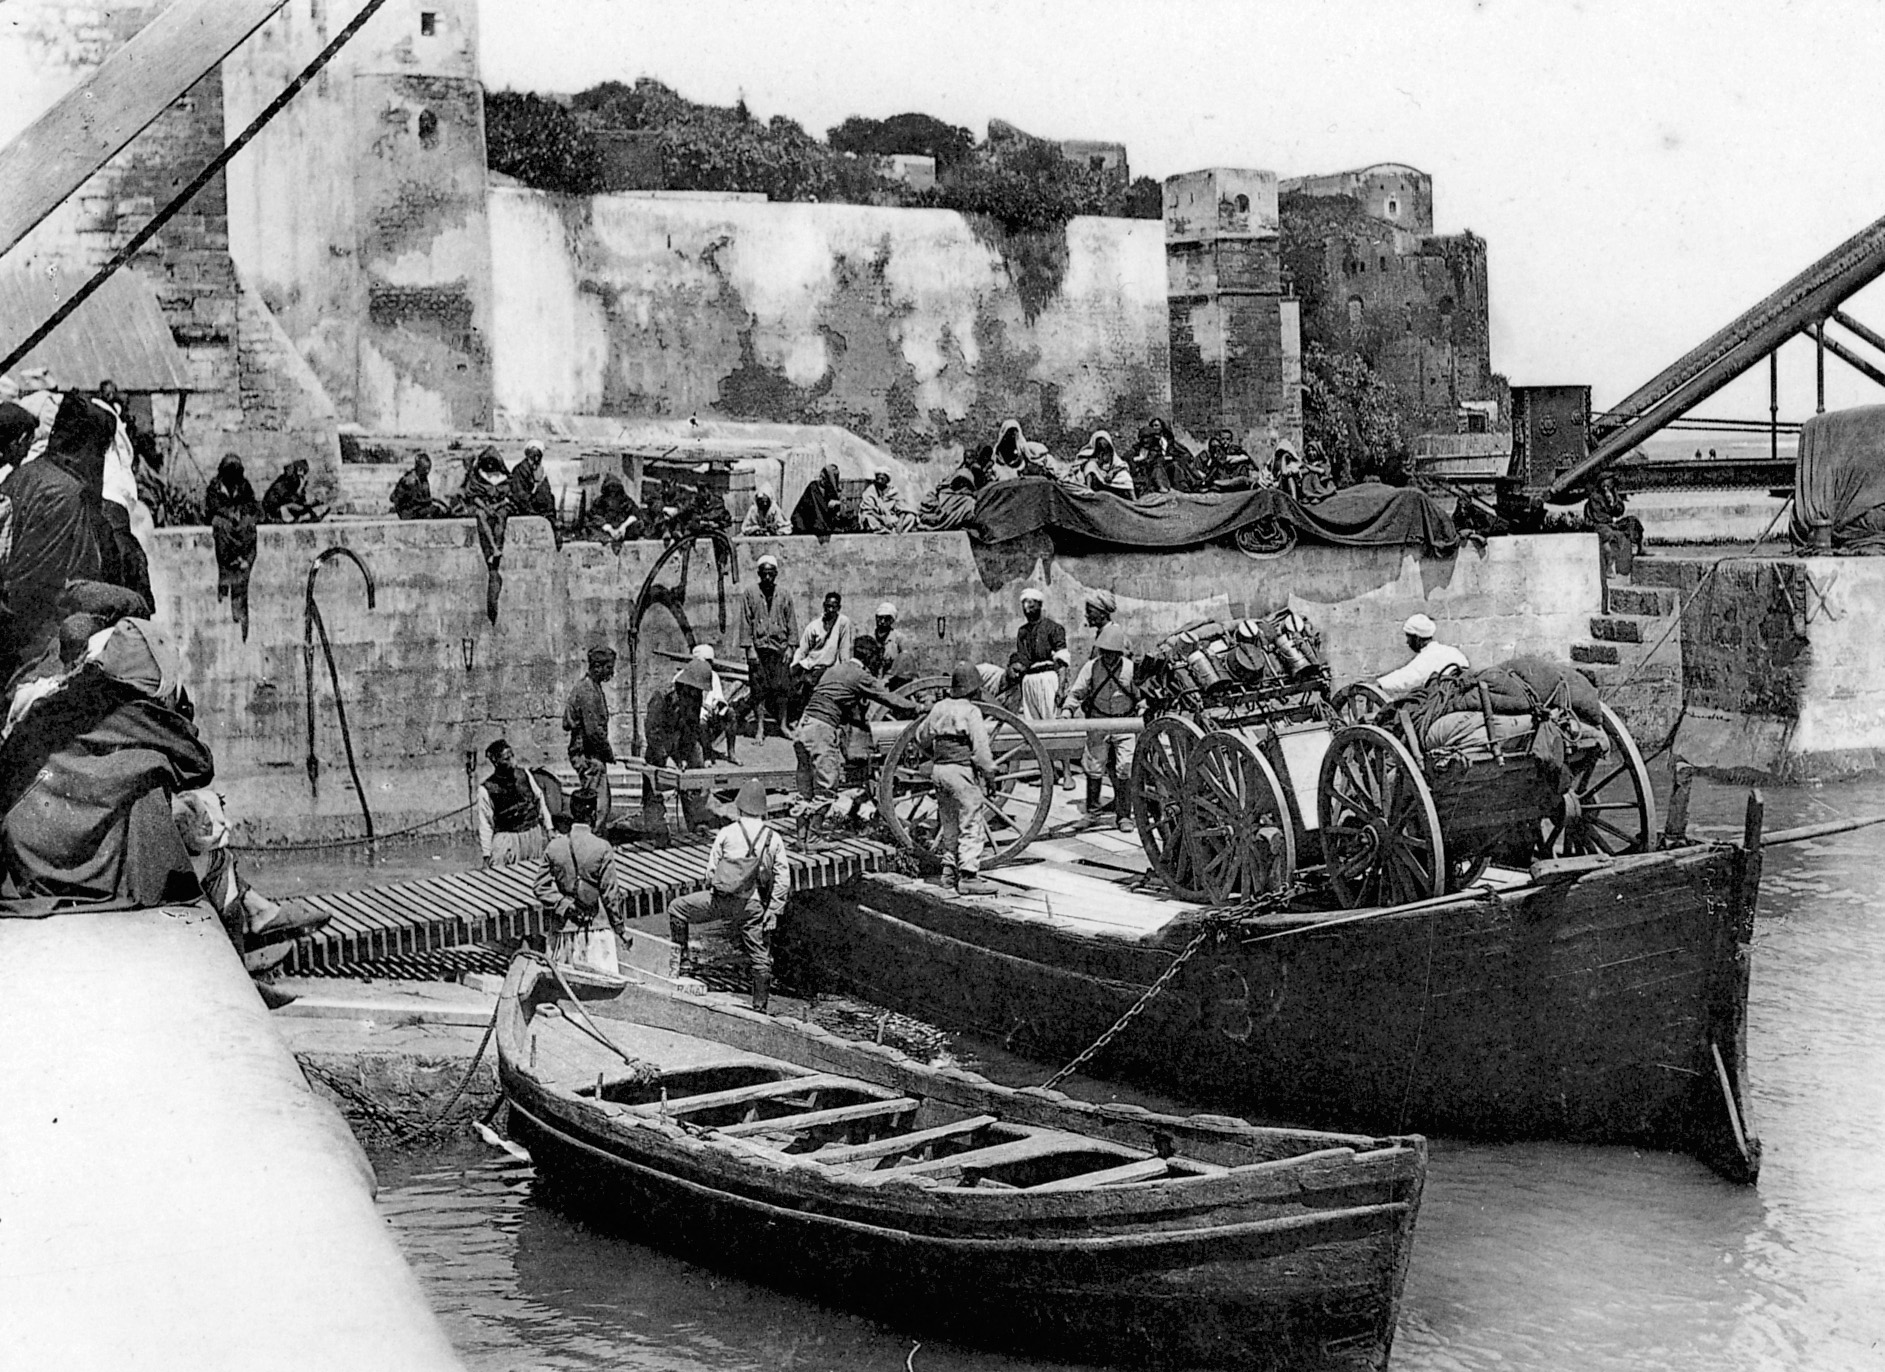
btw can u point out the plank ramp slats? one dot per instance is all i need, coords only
(900, 1143)
(1146, 1169)
(1040, 1143)
(818, 1119)
(743, 1095)
(458, 908)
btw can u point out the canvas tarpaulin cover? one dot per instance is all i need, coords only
(1368, 515)
(1839, 482)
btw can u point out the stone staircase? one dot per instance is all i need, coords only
(1639, 677)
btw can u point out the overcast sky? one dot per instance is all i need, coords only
(1642, 171)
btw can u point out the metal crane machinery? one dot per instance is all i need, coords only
(1559, 445)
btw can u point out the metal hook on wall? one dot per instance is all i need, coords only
(311, 624)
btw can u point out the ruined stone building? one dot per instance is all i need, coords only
(357, 267)
(1373, 278)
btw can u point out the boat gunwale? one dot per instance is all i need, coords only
(1398, 1162)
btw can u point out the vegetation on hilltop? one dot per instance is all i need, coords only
(1022, 186)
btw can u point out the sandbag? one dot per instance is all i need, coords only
(1514, 684)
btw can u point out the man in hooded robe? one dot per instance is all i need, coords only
(882, 510)
(1103, 469)
(56, 527)
(615, 518)
(527, 488)
(87, 775)
(233, 513)
(1021, 457)
(764, 518)
(951, 505)
(817, 511)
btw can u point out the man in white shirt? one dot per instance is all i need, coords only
(1429, 660)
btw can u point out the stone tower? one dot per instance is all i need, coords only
(360, 211)
(1236, 352)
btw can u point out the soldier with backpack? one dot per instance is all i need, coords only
(1104, 690)
(748, 880)
(955, 737)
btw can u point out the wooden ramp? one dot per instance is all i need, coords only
(413, 918)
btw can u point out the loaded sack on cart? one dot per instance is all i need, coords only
(1507, 764)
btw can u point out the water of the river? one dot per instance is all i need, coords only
(1537, 1256)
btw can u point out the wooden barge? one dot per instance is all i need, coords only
(941, 1201)
(1598, 1000)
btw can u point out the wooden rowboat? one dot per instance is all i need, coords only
(942, 1202)
(1594, 1000)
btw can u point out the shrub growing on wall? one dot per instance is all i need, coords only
(540, 143)
(1350, 418)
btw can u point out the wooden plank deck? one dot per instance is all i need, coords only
(461, 908)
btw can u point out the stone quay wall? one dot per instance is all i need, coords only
(428, 681)
(1783, 667)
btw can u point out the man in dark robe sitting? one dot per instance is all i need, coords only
(286, 499)
(412, 497)
(233, 512)
(817, 511)
(86, 777)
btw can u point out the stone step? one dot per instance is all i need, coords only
(1596, 653)
(1611, 676)
(1624, 628)
(1642, 600)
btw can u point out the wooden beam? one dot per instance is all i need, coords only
(819, 1119)
(61, 149)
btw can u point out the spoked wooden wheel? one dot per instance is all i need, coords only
(1238, 826)
(1380, 833)
(1159, 766)
(1266, 538)
(1014, 804)
(925, 691)
(1616, 807)
(1357, 703)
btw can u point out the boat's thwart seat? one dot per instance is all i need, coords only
(847, 1124)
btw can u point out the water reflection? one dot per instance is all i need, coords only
(1528, 1256)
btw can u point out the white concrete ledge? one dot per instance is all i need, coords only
(171, 1194)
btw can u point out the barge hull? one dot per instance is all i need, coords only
(1608, 1009)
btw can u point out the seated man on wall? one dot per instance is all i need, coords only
(882, 511)
(412, 497)
(1620, 535)
(615, 518)
(764, 518)
(819, 509)
(286, 500)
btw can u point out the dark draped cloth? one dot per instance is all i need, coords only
(1365, 515)
(816, 511)
(86, 778)
(1839, 483)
